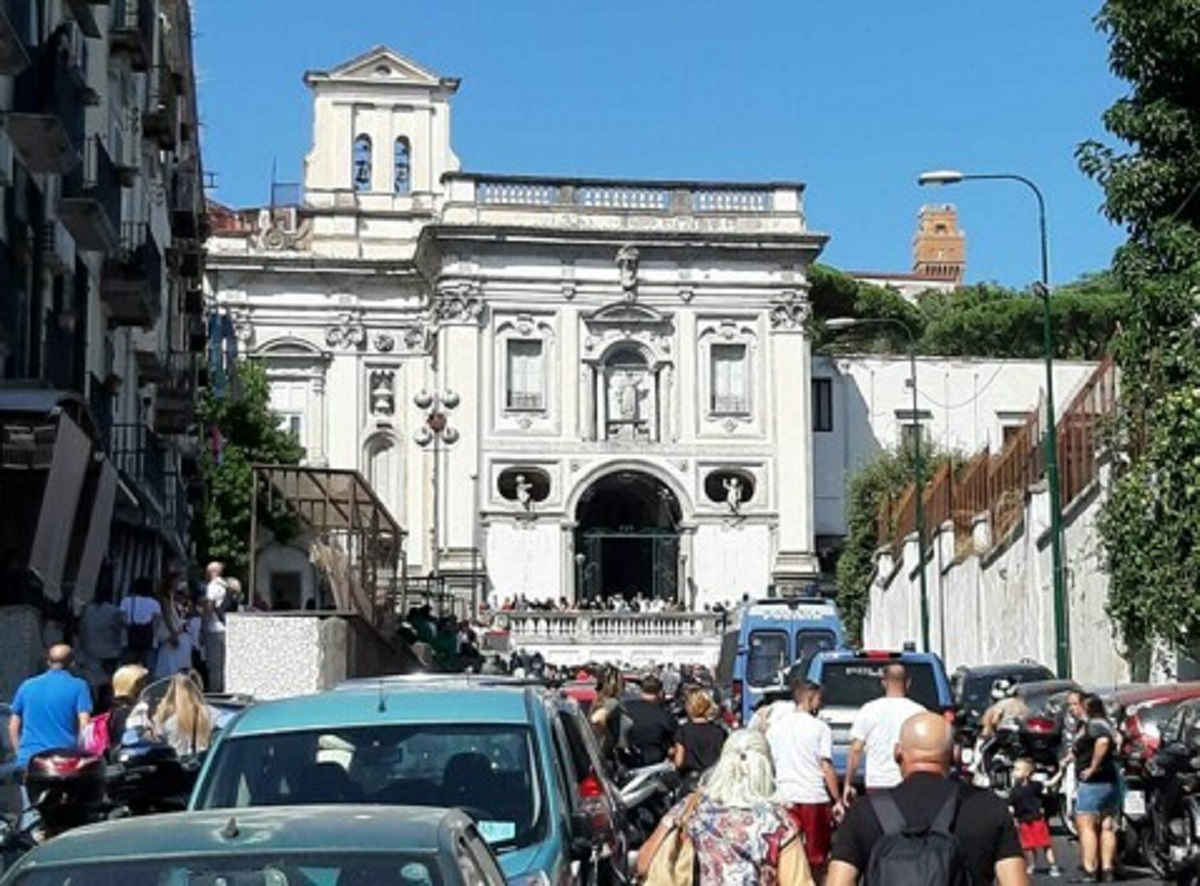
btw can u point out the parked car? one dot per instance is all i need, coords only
(972, 686)
(1141, 713)
(849, 680)
(277, 846)
(518, 757)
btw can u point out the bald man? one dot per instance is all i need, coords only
(987, 838)
(875, 731)
(49, 710)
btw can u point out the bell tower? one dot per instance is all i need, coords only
(940, 246)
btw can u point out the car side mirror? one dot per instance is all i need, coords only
(583, 834)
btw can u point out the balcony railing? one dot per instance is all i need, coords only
(100, 404)
(131, 285)
(610, 627)
(133, 31)
(142, 457)
(177, 517)
(175, 403)
(651, 205)
(160, 119)
(91, 204)
(186, 203)
(47, 120)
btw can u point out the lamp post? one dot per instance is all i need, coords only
(839, 323)
(1062, 636)
(435, 430)
(580, 559)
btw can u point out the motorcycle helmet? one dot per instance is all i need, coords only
(1003, 688)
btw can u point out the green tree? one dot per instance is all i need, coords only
(248, 433)
(882, 479)
(1151, 523)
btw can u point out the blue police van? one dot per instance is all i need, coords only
(761, 639)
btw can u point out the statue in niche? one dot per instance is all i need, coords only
(627, 267)
(733, 494)
(383, 396)
(524, 493)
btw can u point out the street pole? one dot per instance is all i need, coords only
(1062, 628)
(839, 323)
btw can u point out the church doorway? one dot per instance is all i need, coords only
(627, 540)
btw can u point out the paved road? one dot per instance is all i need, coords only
(1068, 858)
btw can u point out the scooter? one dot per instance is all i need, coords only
(647, 794)
(1170, 842)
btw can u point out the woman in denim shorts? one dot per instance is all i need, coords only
(1098, 799)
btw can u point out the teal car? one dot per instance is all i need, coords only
(519, 759)
(292, 846)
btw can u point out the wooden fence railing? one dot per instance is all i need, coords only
(997, 484)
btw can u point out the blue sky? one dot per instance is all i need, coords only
(852, 97)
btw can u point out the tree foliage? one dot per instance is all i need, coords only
(244, 431)
(885, 477)
(1151, 523)
(980, 320)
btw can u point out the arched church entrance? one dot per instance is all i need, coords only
(627, 539)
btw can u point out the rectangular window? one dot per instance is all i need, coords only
(909, 432)
(822, 404)
(294, 425)
(525, 378)
(730, 388)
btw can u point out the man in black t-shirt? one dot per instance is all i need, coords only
(652, 728)
(987, 837)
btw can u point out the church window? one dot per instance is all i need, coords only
(401, 166)
(362, 163)
(730, 393)
(526, 384)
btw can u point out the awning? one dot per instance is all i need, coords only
(98, 530)
(19, 401)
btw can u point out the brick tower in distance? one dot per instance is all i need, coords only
(940, 247)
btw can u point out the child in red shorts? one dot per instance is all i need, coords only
(1025, 801)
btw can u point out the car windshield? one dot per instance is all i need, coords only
(977, 688)
(308, 869)
(851, 683)
(488, 771)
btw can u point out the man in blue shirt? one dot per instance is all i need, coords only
(50, 710)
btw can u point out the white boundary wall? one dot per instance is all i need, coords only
(998, 606)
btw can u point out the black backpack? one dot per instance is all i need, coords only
(908, 856)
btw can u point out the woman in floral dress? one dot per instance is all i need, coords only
(740, 836)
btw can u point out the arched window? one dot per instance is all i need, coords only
(401, 166)
(362, 163)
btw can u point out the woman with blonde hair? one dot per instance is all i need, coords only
(128, 711)
(183, 720)
(698, 741)
(738, 833)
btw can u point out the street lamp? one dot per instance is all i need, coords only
(1062, 636)
(435, 430)
(580, 559)
(840, 323)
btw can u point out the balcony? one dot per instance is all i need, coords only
(14, 25)
(160, 119)
(131, 281)
(175, 402)
(91, 204)
(186, 205)
(47, 119)
(193, 301)
(133, 32)
(141, 457)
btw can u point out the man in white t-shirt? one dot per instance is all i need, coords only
(876, 730)
(806, 784)
(215, 593)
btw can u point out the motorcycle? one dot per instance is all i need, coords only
(647, 794)
(1036, 738)
(1170, 837)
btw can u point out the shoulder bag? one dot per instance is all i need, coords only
(674, 862)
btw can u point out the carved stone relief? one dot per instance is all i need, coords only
(383, 392)
(791, 311)
(347, 331)
(458, 304)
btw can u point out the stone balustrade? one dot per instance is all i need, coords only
(609, 627)
(604, 202)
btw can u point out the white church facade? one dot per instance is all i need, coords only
(561, 388)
